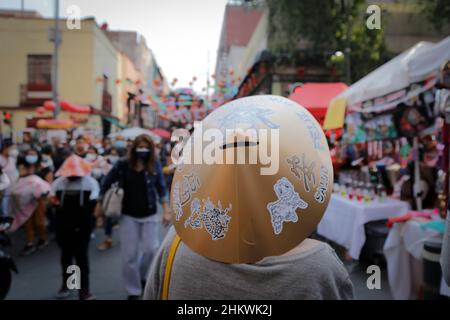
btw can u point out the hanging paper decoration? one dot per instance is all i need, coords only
(118, 81)
(137, 82)
(67, 106)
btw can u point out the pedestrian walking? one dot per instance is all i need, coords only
(142, 180)
(8, 163)
(28, 202)
(75, 193)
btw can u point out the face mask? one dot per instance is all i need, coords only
(113, 159)
(91, 157)
(97, 173)
(31, 159)
(13, 153)
(120, 144)
(143, 153)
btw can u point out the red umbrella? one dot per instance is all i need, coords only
(162, 133)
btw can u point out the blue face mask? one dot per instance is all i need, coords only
(31, 159)
(120, 144)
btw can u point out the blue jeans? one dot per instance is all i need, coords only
(109, 223)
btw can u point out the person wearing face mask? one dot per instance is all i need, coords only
(8, 161)
(28, 202)
(120, 144)
(81, 146)
(142, 180)
(113, 156)
(74, 195)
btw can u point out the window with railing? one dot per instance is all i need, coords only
(40, 69)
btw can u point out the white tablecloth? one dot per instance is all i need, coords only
(403, 251)
(344, 220)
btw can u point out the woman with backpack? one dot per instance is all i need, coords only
(141, 178)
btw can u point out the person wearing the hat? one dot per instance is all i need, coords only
(241, 228)
(74, 193)
(142, 180)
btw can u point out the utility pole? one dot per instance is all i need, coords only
(57, 42)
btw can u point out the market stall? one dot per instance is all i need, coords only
(395, 147)
(344, 220)
(404, 252)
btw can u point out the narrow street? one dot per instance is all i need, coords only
(39, 273)
(39, 276)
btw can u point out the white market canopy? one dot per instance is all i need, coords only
(413, 65)
(419, 63)
(132, 133)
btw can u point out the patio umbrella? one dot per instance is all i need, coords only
(132, 133)
(162, 133)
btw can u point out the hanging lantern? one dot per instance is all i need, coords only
(194, 79)
(118, 81)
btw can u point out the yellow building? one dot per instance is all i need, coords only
(90, 71)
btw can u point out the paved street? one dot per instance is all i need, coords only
(39, 274)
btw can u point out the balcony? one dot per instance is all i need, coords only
(34, 95)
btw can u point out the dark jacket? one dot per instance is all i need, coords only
(155, 182)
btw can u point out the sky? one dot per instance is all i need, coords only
(181, 33)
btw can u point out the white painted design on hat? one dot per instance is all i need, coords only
(314, 132)
(214, 219)
(303, 171)
(251, 116)
(183, 192)
(176, 201)
(191, 184)
(283, 210)
(321, 191)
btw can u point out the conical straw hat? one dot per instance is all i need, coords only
(74, 166)
(243, 212)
